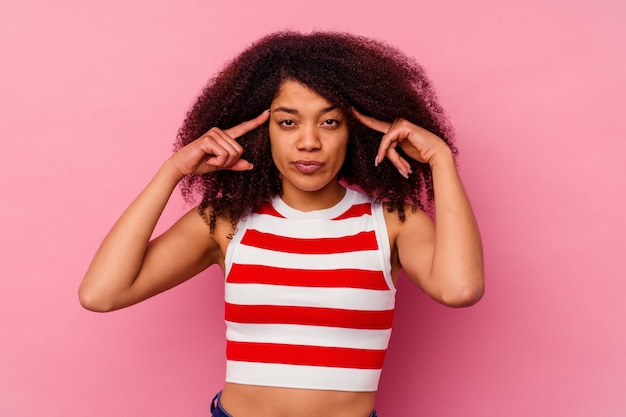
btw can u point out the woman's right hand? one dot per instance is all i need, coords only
(130, 266)
(217, 150)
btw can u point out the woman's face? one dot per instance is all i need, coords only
(309, 137)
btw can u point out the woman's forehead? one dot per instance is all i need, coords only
(294, 96)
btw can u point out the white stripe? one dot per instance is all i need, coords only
(296, 334)
(305, 377)
(366, 259)
(307, 229)
(382, 235)
(351, 198)
(278, 295)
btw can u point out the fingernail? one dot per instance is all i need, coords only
(376, 161)
(405, 175)
(267, 111)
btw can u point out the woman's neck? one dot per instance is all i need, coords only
(321, 199)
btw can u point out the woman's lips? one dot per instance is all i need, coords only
(307, 167)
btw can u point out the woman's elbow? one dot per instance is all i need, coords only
(464, 295)
(90, 300)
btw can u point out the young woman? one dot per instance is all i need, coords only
(315, 155)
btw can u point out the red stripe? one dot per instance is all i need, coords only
(326, 278)
(309, 316)
(357, 210)
(305, 355)
(360, 241)
(267, 208)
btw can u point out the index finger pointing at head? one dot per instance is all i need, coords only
(247, 126)
(371, 122)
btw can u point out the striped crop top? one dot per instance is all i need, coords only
(309, 299)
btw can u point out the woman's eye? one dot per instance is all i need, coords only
(286, 122)
(331, 122)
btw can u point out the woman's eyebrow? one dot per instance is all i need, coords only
(328, 109)
(294, 111)
(285, 110)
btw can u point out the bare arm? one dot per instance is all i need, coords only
(130, 267)
(444, 259)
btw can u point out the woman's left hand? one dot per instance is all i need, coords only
(446, 261)
(415, 141)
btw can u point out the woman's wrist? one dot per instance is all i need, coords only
(171, 170)
(443, 157)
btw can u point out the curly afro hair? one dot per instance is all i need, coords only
(349, 71)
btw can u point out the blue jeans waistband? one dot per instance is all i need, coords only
(216, 407)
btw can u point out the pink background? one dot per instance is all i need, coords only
(92, 94)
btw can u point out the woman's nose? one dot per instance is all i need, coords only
(309, 139)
